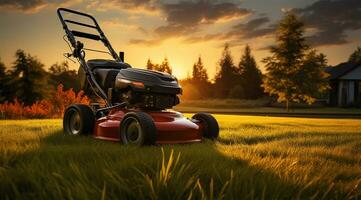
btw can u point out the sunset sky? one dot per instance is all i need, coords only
(180, 30)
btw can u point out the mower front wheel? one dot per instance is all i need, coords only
(210, 124)
(138, 128)
(78, 120)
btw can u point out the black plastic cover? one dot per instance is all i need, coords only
(154, 81)
(107, 64)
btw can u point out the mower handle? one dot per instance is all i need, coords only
(76, 13)
(78, 46)
(71, 33)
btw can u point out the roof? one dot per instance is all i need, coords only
(341, 69)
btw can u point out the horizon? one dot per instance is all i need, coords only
(179, 30)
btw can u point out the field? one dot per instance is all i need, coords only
(262, 106)
(254, 158)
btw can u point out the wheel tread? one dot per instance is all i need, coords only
(147, 125)
(86, 116)
(212, 128)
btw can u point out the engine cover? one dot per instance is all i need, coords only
(147, 81)
(139, 88)
(146, 89)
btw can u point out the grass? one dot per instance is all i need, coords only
(260, 106)
(226, 103)
(254, 158)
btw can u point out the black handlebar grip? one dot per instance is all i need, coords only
(86, 35)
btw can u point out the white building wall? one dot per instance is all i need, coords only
(339, 93)
(351, 92)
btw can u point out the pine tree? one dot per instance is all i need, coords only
(226, 76)
(2, 70)
(199, 72)
(199, 80)
(5, 88)
(250, 76)
(29, 78)
(294, 72)
(165, 66)
(150, 65)
(355, 57)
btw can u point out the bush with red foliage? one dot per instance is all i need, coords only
(62, 99)
(12, 110)
(53, 107)
(38, 110)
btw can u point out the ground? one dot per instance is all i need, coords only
(254, 158)
(262, 107)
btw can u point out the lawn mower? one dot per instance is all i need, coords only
(129, 105)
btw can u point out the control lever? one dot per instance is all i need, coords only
(77, 50)
(68, 55)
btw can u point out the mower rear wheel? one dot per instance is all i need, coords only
(78, 120)
(138, 128)
(211, 128)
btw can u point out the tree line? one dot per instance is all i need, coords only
(231, 81)
(28, 82)
(295, 72)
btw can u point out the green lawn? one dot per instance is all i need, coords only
(272, 110)
(254, 158)
(258, 106)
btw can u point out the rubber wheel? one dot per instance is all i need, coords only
(78, 120)
(138, 128)
(211, 128)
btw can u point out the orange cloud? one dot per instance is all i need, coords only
(33, 6)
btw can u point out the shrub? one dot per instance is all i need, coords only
(37, 110)
(62, 99)
(12, 110)
(53, 107)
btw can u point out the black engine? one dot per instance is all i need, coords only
(139, 88)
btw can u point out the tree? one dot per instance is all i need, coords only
(29, 79)
(355, 57)
(150, 65)
(313, 70)
(199, 72)
(5, 88)
(250, 76)
(57, 69)
(237, 92)
(61, 74)
(199, 80)
(226, 76)
(2, 69)
(295, 73)
(165, 67)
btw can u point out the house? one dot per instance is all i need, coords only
(345, 82)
